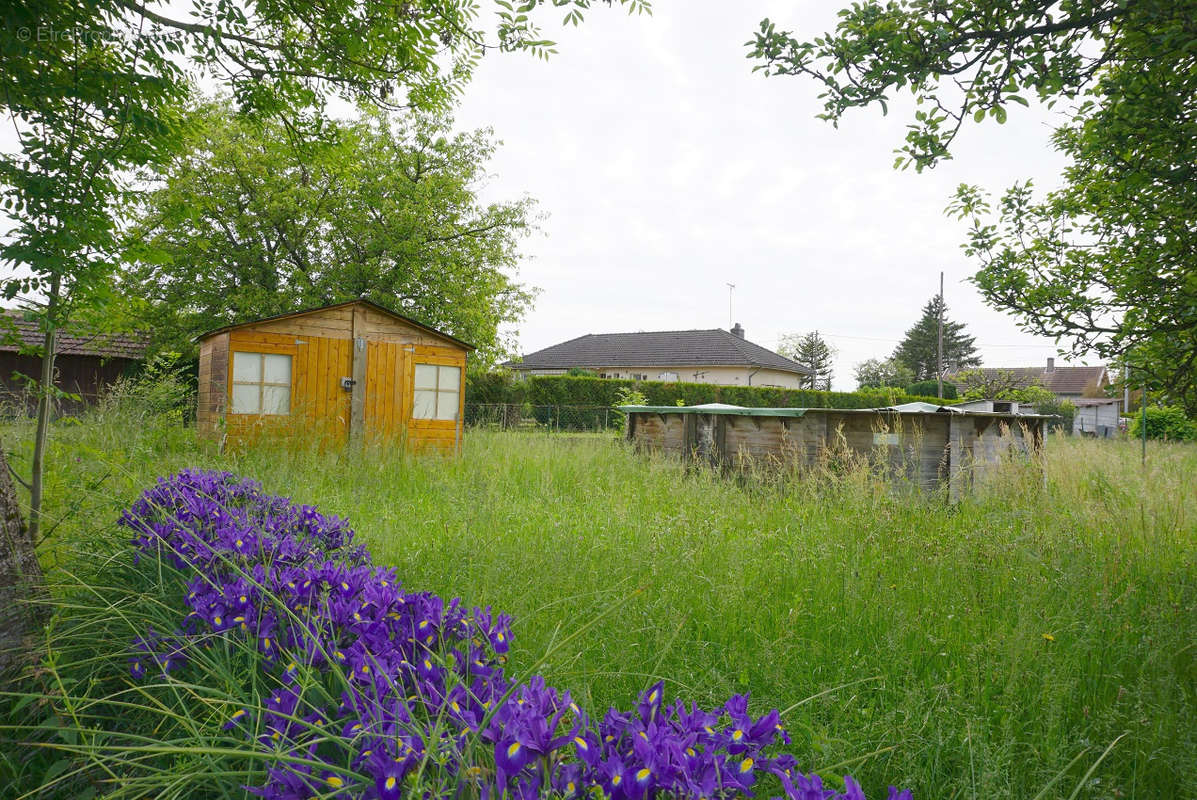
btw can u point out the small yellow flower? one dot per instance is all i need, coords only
(1048, 637)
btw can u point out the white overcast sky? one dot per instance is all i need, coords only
(668, 169)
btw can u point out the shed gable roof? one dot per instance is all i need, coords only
(367, 303)
(18, 333)
(709, 348)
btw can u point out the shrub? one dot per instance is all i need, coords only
(1063, 411)
(1167, 422)
(627, 396)
(162, 388)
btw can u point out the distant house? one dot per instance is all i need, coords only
(86, 363)
(1065, 382)
(700, 356)
(1081, 386)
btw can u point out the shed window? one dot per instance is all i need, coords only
(437, 392)
(261, 383)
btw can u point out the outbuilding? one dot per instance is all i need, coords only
(1096, 416)
(922, 444)
(87, 363)
(353, 369)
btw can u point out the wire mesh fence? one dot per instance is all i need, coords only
(543, 419)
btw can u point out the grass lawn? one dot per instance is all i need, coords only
(994, 649)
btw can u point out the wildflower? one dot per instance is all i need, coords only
(236, 717)
(424, 674)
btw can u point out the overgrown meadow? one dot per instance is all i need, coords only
(1035, 641)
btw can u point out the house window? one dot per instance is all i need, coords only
(261, 383)
(437, 393)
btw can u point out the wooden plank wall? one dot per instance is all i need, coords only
(86, 376)
(323, 347)
(319, 406)
(213, 383)
(923, 450)
(385, 414)
(435, 434)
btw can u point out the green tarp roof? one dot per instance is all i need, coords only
(741, 411)
(719, 408)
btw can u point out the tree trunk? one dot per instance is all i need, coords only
(21, 583)
(45, 397)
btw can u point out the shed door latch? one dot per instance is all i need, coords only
(347, 384)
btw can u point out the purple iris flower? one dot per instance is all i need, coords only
(419, 676)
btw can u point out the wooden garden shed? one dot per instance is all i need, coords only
(352, 369)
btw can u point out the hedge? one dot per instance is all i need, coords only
(929, 388)
(564, 390)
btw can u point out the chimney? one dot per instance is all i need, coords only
(738, 331)
(1051, 365)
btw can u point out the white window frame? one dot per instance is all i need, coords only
(437, 392)
(261, 383)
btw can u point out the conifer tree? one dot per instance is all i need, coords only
(919, 348)
(811, 350)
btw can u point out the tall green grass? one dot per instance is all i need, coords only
(995, 648)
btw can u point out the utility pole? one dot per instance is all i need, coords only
(1126, 389)
(939, 361)
(731, 314)
(1143, 417)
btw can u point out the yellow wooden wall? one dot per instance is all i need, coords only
(437, 434)
(321, 345)
(319, 406)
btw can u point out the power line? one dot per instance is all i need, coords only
(895, 341)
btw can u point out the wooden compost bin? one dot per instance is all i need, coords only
(353, 369)
(929, 448)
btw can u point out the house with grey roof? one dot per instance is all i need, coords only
(698, 356)
(1084, 387)
(1065, 382)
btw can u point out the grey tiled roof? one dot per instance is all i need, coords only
(704, 348)
(18, 333)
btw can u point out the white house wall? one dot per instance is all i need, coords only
(722, 376)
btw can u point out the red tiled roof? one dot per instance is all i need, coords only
(18, 333)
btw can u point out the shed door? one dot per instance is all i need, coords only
(386, 412)
(320, 399)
